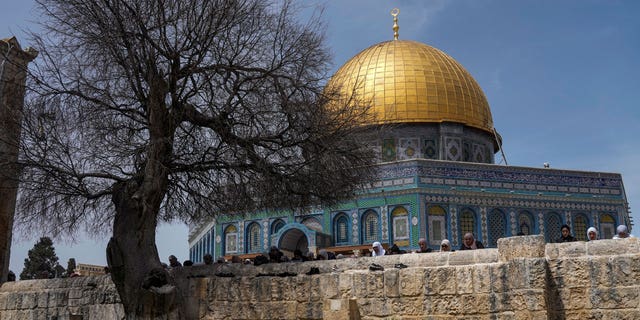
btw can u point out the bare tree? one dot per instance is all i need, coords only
(147, 111)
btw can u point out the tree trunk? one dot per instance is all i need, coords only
(146, 289)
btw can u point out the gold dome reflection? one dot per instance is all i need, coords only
(409, 82)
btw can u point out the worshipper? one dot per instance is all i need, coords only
(423, 246)
(470, 243)
(566, 234)
(322, 255)
(188, 263)
(592, 234)
(445, 246)
(622, 232)
(395, 250)
(377, 250)
(275, 255)
(208, 259)
(173, 262)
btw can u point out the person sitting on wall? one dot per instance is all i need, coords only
(423, 246)
(173, 262)
(395, 250)
(592, 234)
(207, 259)
(377, 250)
(445, 246)
(470, 243)
(275, 255)
(622, 232)
(566, 234)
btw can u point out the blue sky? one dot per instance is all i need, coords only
(561, 78)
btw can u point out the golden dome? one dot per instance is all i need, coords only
(410, 82)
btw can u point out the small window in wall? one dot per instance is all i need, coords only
(580, 225)
(231, 239)
(467, 223)
(497, 227)
(400, 220)
(525, 223)
(607, 226)
(276, 226)
(253, 238)
(370, 227)
(437, 229)
(341, 229)
(552, 226)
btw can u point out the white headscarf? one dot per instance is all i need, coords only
(445, 241)
(380, 250)
(594, 230)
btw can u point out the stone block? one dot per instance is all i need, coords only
(345, 284)
(536, 272)
(340, 309)
(490, 255)
(474, 304)
(301, 287)
(375, 307)
(499, 277)
(368, 284)
(565, 250)
(441, 281)
(412, 282)
(574, 298)
(571, 273)
(407, 306)
(462, 257)
(316, 286)
(517, 274)
(615, 298)
(481, 278)
(392, 283)
(625, 270)
(3, 300)
(311, 310)
(521, 247)
(464, 279)
(446, 304)
(261, 289)
(330, 286)
(527, 299)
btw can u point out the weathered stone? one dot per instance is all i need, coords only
(412, 282)
(565, 250)
(521, 247)
(441, 280)
(392, 283)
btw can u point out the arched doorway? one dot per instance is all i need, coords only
(293, 239)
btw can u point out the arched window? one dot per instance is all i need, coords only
(437, 225)
(497, 227)
(276, 226)
(552, 226)
(231, 239)
(525, 223)
(253, 238)
(341, 229)
(467, 223)
(370, 226)
(580, 225)
(312, 223)
(400, 223)
(607, 226)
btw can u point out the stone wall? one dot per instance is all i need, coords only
(523, 279)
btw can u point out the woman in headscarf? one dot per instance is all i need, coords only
(377, 250)
(470, 243)
(445, 246)
(592, 234)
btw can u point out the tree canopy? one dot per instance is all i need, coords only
(226, 95)
(41, 262)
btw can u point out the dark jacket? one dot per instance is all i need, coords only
(478, 244)
(569, 238)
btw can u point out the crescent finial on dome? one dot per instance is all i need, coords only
(395, 13)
